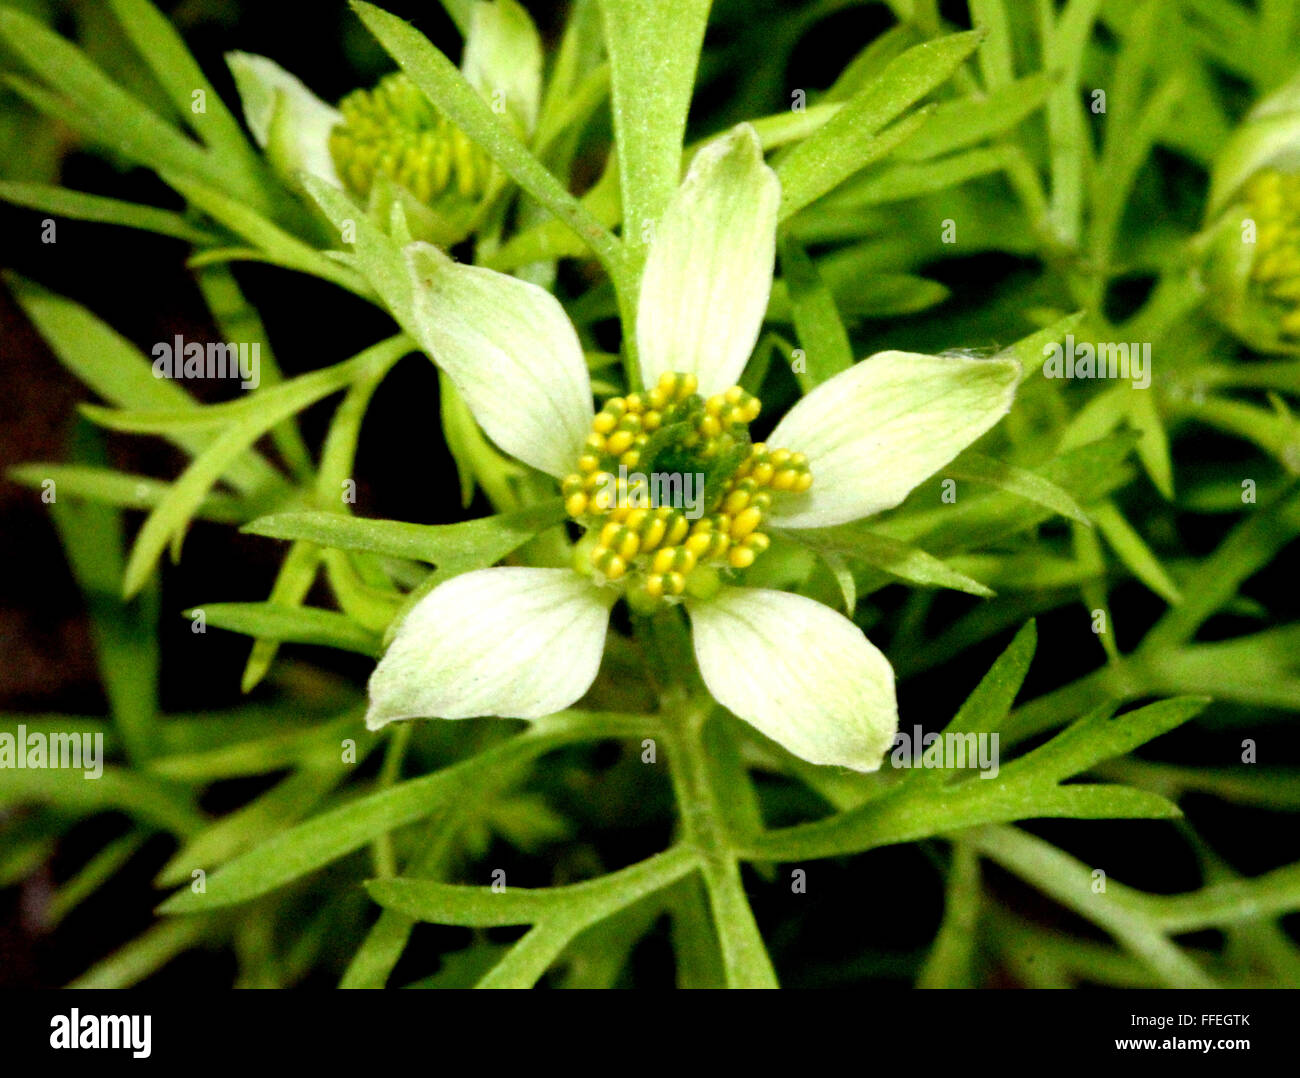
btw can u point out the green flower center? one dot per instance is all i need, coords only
(394, 131)
(671, 490)
(1273, 200)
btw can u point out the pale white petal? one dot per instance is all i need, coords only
(512, 353)
(288, 121)
(709, 269)
(875, 431)
(799, 672)
(514, 642)
(503, 60)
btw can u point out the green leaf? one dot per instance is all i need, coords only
(120, 489)
(114, 369)
(292, 624)
(1025, 484)
(163, 50)
(1102, 735)
(302, 849)
(653, 51)
(146, 954)
(951, 961)
(855, 135)
(81, 206)
(454, 548)
(147, 799)
(253, 417)
(579, 903)
(277, 809)
(957, 125)
(1134, 553)
(891, 556)
(313, 745)
(816, 320)
(105, 113)
(278, 245)
(446, 87)
(124, 635)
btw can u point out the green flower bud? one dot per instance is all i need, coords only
(393, 143)
(1252, 240)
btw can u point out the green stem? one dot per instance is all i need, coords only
(383, 853)
(744, 956)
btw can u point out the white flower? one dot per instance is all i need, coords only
(525, 642)
(390, 142)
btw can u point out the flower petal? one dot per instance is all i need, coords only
(798, 672)
(512, 353)
(875, 431)
(515, 642)
(503, 60)
(709, 270)
(288, 121)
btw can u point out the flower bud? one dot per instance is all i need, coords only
(1252, 239)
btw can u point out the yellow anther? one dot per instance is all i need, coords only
(619, 442)
(664, 559)
(741, 557)
(746, 522)
(652, 534)
(699, 543)
(735, 502)
(657, 551)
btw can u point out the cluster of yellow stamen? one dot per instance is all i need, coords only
(1274, 202)
(393, 130)
(659, 550)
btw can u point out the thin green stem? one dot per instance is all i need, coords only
(384, 856)
(744, 955)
